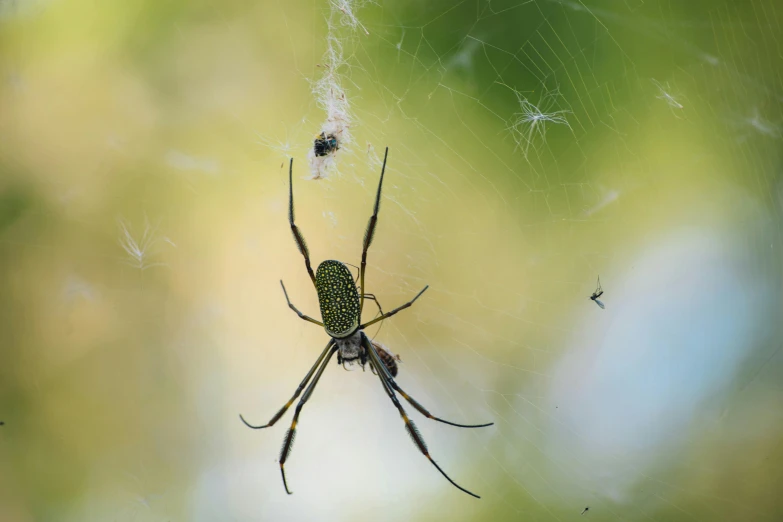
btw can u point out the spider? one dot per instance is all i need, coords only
(598, 293)
(324, 144)
(341, 310)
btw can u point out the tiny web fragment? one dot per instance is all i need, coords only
(140, 252)
(665, 94)
(528, 127)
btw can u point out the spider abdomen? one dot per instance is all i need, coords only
(338, 298)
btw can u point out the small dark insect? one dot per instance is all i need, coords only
(387, 358)
(585, 510)
(324, 144)
(2, 423)
(598, 293)
(341, 305)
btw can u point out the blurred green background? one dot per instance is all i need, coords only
(143, 186)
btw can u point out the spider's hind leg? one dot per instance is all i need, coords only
(409, 426)
(301, 387)
(288, 442)
(376, 358)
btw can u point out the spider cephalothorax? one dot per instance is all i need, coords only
(351, 349)
(341, 310)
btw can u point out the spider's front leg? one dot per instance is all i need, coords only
(298, 237)
(369, 234)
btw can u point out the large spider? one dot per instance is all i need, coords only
(341, 310)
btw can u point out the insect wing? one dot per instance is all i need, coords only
(599, 303)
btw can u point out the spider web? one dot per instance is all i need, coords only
(534, 145)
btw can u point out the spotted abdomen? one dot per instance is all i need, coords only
(338, 298)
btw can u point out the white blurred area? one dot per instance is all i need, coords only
(679, 355)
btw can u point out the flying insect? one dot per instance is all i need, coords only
(598, 293)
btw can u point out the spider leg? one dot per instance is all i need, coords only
(288, 442)
(390, 380)
(372, 297)
(368, 296)
(411, 428)
(370, 233)
(296, 393)
(295, 309)
(380, 310)
(389, 314)
(298, 237)
(355, 281)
